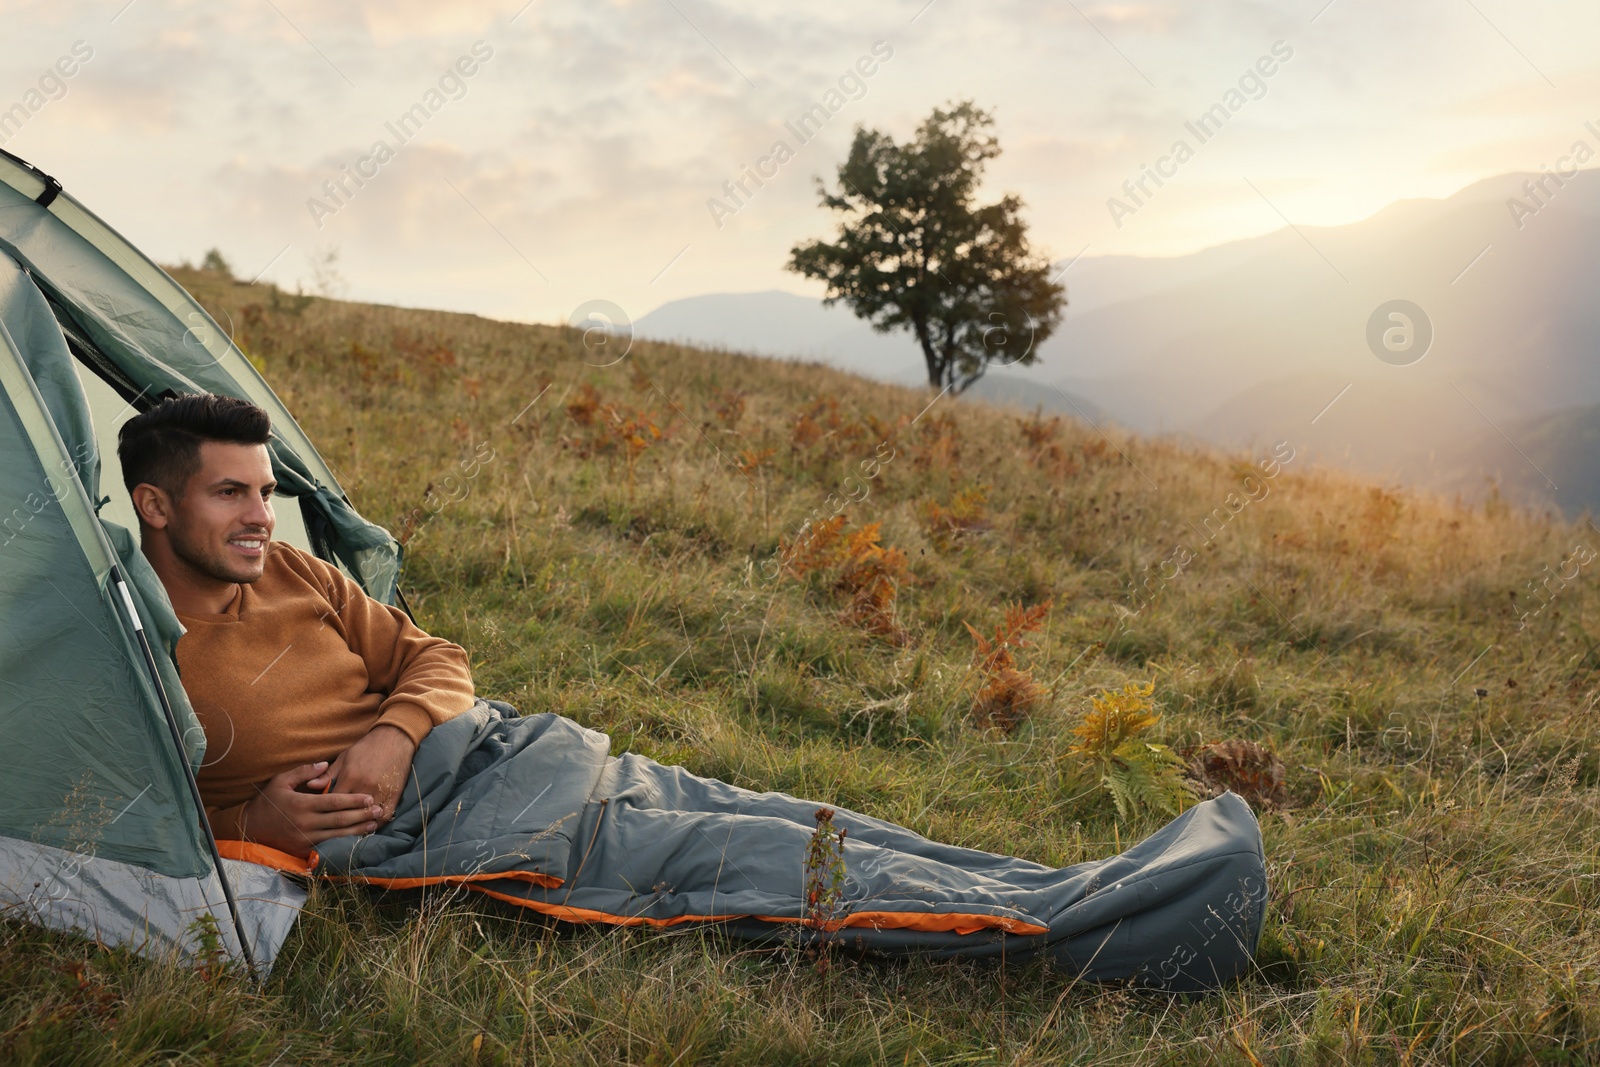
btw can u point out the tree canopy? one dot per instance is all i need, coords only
(914, 252)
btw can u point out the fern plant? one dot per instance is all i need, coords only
(870, 574)
(966, 515)
(1009, 693)
(1139, 774)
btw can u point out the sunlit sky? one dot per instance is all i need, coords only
(576, 161)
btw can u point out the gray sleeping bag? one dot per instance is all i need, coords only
(535, 811)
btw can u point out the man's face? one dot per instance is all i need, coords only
(222, 525)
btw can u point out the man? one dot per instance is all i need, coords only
(313, 696)
(316, 702)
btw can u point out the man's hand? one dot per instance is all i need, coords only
(378, 765)
(285, 818)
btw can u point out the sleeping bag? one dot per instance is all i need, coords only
(535, 811)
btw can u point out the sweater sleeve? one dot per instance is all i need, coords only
(428, 679)
(226, 823)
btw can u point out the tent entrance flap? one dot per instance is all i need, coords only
(133, 314)
(101, 826)
(188, 771)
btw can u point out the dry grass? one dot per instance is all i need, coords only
(1433, 867)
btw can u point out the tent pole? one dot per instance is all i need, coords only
(400, 596)
(188, 771)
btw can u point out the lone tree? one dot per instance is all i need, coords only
(915, 252)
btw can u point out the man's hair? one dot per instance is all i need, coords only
(162, 446)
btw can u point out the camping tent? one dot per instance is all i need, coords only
(101, 828)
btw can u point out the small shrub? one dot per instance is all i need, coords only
(210, 953)
(871, 577)
(824, 882)
(612, 430)
(966, 514)
(1249, 769)
(729, 408)
(1138, 774)
(870, 574)
(940, 444)
(822, 421)
(216, 264)
(1009, 693)
(817, 547)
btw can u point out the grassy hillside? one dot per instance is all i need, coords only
(1433, 864)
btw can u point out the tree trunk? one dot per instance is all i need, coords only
(930, 357)
(948, 356)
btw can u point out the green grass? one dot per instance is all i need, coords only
(1433, 881)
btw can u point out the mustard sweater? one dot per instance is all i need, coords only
(298, 668)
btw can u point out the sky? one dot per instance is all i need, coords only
(561, 153)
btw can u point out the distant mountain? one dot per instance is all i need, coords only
(1388, 430)
(1095, 281)
(1513, 319)
(786, 325)
(1555, 461)
(1250, 341)
(1011, 389)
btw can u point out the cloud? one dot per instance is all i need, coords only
(1526, 96)
(1146, 18)
(388, 22)
(595, 135)
(685, 81)
(1508, 153)
(126, 105)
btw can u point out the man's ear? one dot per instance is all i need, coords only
(152, 506)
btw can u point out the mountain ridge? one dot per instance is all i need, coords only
(1221, 345)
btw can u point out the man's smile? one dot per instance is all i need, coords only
(252, 545)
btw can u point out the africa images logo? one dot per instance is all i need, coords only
(1399, 332)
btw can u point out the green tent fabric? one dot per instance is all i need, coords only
(138, 329)
(99, 827)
